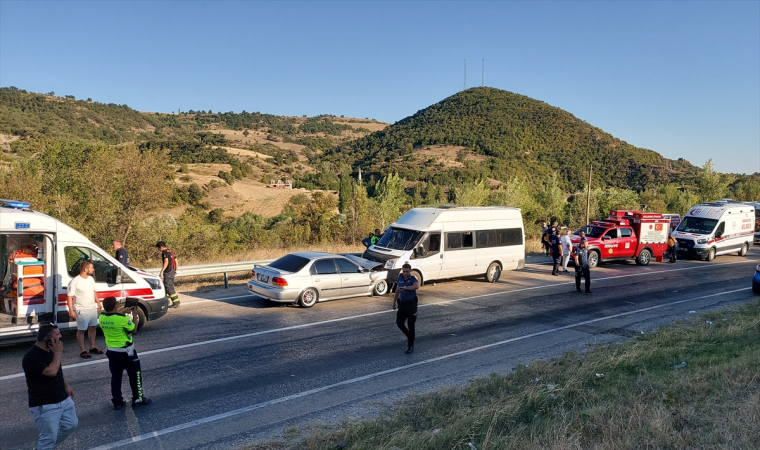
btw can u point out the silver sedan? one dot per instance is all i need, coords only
(309, 277)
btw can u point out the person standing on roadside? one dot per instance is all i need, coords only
(567, 249)
(545, 238)
(582, 268)
(121, 253)
(406, 299)
(556, 249)
(374, 239)
(120, 350)
(672, 248)
(51, 399)
(168, 270)
(84, 307)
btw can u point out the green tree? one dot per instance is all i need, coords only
(552, 199)
(390, 197)
(430, 194)
(711, 185)
(344, 192)
(473, 194)
(747, 191)
(417, 195)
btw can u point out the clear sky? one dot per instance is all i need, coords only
(678, 77)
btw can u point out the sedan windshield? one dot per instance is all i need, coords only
(289, 263)
(697, 225)
(591, 231)
(400, 239)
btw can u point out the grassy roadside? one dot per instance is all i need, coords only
(643, 399)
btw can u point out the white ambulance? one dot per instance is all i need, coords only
(718, 228)
(453, 242)
(39, 256)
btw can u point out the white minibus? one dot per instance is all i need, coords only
(449, 242)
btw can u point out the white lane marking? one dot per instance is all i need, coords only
(358, 316)
(216, 417)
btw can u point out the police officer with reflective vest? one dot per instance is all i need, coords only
(168, 270)
(118, 329)
(582, 268)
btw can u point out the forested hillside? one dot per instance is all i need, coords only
(520, 137)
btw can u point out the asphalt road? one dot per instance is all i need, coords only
(228, 368)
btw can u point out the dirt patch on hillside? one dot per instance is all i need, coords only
(243, 196)
(5, 141)
(447, 155)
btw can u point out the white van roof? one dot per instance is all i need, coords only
(20, 220)
(715, 210)
(423, 218)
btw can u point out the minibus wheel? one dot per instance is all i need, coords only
(743, 251)
(493, 273)
(418, 276)
(710, 254)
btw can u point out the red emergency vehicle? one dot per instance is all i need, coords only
(626, 235)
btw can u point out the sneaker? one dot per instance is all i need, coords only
(96, 351)
(410, 349)
(141, 402)
(118, 406)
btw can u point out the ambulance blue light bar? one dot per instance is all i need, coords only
(14, 204)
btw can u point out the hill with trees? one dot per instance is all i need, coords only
(518, 136)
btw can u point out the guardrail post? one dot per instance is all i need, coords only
(226, 281)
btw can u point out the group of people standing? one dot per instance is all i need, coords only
(561, 249)
(51, 399)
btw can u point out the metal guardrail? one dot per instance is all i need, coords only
(210, 269)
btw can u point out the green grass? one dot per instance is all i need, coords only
(642, 401)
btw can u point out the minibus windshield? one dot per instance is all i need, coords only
(400, 239)
(697, 225)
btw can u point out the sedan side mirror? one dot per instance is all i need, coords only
(718, 234)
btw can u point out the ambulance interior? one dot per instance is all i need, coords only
(26, 298)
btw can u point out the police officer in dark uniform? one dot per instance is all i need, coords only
(406, 298)
(581, 266)
(556, 249)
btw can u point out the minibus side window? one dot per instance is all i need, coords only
(453, 240)
(509, 236)
(467, 239)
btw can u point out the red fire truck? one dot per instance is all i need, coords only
(626, 235)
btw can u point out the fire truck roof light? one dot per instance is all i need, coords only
(14, 204)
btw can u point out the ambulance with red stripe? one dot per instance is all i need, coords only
(39, 256)
(625, 235)
(718, 228)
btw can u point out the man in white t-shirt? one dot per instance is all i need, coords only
(84, 307)
(567, 248)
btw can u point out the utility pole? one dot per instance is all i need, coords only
(588, 193)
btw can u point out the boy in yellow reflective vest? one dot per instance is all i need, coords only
(118, 329)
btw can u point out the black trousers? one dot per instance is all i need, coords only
(169, 286)
(118, 362)
(672, 251)
(407, 312)
(557, 259)
(585, 272)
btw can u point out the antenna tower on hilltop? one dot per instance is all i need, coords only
(465, 74)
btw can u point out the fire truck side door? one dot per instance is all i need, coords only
(610, 244)
(627, 246)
